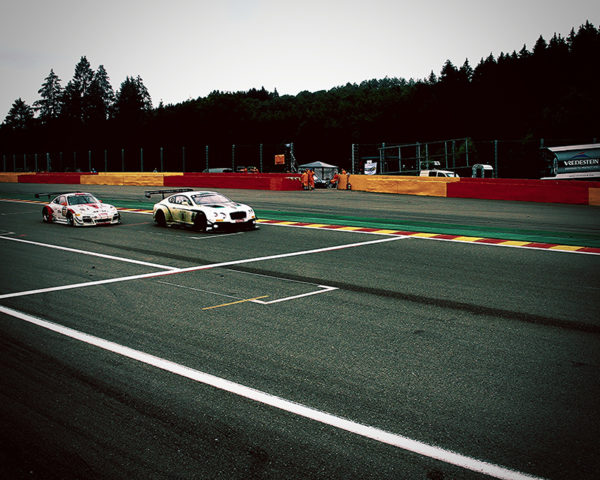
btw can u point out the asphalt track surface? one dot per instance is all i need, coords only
(141, 352)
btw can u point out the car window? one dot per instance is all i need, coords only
(210, 198)
(81, 199)
(179, 200)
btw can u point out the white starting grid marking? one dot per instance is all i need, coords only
(366, 431)
(173, 270)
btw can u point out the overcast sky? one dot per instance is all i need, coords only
(185, 49)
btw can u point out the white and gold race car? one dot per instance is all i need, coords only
(202, 210)
(78, 209)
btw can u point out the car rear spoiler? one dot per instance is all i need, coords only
(52, 194)
(149, 193)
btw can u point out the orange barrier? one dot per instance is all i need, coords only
(11, 177)
(594, 196)
(429, 186)
(126, 178)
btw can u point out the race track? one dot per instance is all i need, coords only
(136, 351)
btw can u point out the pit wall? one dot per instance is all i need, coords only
(548, 191)
(545, 191)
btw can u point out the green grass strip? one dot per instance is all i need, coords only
(562, 238)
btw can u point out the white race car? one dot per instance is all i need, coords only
(78, 209)
(203, 210)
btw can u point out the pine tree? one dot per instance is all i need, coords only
(19, 116)
(49, 106)
(100, 97)
(77, 90)
(132, 99)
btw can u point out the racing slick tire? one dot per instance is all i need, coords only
(200, 223)
(70, 220)
(159, 218)
(47, 216)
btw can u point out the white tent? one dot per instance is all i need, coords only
(324, 171)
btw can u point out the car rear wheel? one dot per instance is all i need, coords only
(159, 218)
(47, 215)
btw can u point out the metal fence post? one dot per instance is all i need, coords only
(260, 158)
(446, 154)
(206, 156)
(233, 157)
(496, 158)
(89, 160)
(122, 159)
(453, 154)
(161, 159)
(400, 159)
(141, 159)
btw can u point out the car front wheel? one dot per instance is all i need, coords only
(159, 218)
(200, 222)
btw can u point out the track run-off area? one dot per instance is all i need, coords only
(353, 335)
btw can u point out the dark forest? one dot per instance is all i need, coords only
(550, 92)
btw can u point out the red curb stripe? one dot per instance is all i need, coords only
(441, 236)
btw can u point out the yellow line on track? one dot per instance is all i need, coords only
(233, 303)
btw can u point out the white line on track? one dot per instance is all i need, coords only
(85, 252)
(324, 289)
(196, 268)
(400, 441)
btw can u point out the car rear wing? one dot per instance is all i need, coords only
(52, 194)
(149, 193)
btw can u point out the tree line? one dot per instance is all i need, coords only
(548, 92)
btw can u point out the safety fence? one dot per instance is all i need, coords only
(272, 158)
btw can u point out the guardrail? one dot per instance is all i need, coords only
(546, 191)
(254, 181)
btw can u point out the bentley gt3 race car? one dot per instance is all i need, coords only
(203, 210)
(78, 209)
